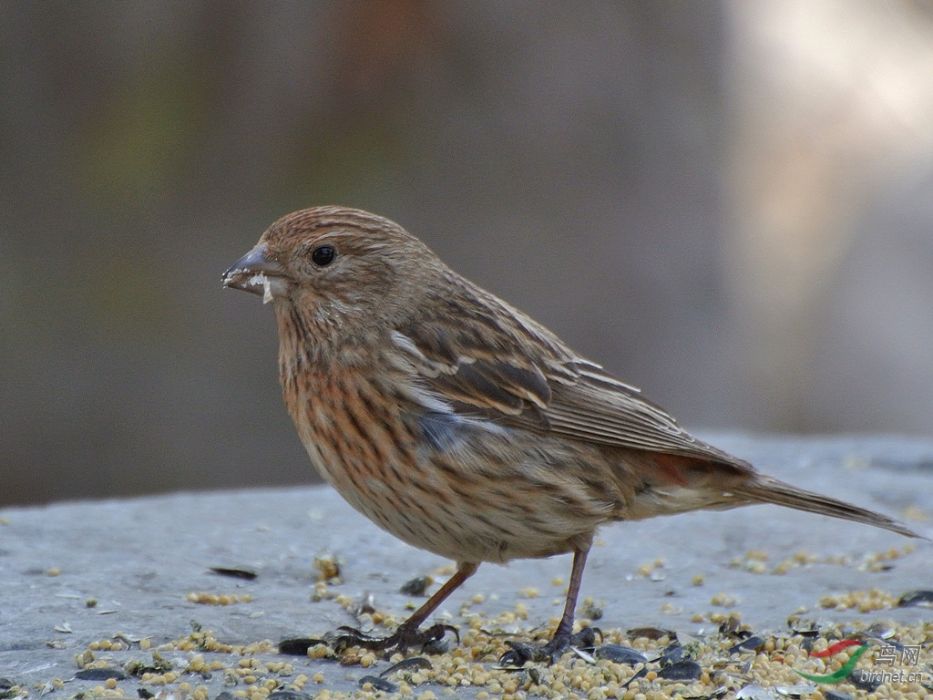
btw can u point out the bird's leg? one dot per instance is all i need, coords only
(563, 636)
(407, 634)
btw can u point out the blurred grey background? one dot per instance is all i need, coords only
(729, 204)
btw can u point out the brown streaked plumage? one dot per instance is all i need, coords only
(462, 426)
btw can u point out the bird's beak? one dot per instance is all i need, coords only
(258, 273)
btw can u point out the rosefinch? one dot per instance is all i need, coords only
(462, 426)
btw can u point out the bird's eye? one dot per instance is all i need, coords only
(323, 255)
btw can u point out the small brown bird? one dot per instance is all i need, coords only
(462, 426)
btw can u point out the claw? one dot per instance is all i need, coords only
(350, 636)
(402, 639)
(522, 652)
(437, 632)
(519, 654)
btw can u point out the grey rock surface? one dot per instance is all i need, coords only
(140, 558)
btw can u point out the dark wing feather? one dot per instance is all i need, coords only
(516, 372)
(598, 408)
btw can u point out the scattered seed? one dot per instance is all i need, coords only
(864, 681)
(620, 654)
(583, 655)
(367, 605)
(641, 673)
(416, 586)
(234, 573)
(880, 630)
(914, 598)
(436, 647)
(100, 674)
(651, 633)
(205, 598)
(724, 600)
(327, 566)
(298, 646)
(288, 695)
(795, 691)
(681, 671)
(378, 683)
(672, 654)
(836, 695)
(754, 691)
(415, 663)
(591, 609)
(753, 643)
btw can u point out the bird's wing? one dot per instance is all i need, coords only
(507, 368)
(599, 408)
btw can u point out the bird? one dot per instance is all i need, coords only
(462, 426)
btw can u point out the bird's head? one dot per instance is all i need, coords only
(338, 267)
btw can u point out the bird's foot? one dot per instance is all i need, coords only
(522, 652)
(404, 638)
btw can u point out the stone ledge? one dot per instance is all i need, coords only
(139, 558)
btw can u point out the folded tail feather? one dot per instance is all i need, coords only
(765, 489)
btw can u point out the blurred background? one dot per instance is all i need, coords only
(729, 204)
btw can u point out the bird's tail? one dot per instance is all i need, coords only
(765, 489)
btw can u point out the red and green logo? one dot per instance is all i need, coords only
(845, 670)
